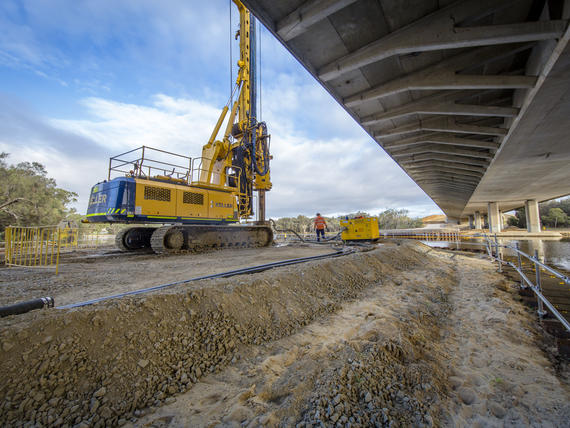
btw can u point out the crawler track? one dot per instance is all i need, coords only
(174, 239)
(134, 238)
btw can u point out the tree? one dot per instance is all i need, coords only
(519, 220)
(556, 217)
(28, 197)
(397, 219)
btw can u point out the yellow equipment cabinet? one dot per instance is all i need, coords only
(360, 229)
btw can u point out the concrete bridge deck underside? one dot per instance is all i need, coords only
(470, 97)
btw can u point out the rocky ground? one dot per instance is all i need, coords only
(399, 336)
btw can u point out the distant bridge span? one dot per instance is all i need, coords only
(471, 98)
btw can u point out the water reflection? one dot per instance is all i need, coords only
(555, 252)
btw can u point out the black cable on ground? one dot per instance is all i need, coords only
(254, 269)
(285, 230)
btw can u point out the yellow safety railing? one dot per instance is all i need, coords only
(40, 246)
(35, 246)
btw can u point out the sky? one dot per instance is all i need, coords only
(86, 80)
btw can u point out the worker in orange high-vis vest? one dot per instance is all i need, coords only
(320, 225)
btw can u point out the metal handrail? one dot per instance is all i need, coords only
(117, 164)
(539, 263)
(536, 288)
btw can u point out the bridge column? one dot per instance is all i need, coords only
(471, 225)
(532, 216)
(478, 223)
(494, 217)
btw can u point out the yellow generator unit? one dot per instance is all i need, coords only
(360, 229)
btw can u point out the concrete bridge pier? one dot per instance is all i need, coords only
(478, 222)
(494, 217)
(532, 216)
(471, 225)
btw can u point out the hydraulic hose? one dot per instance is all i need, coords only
(285, 230)
(23, 307)
(254, 151)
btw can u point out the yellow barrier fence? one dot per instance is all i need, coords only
(37, 247)
(41, 246)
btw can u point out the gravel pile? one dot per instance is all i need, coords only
(386, 383)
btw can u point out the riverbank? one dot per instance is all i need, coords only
(403, 334)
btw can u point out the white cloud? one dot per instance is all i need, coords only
(337, 175)
(322, 160)
(171, 124)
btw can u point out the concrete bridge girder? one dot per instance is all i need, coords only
(441, 149)
(472, 184)
(451, 190)
(445, 109)
(438, 31)
(455, 159)
(311, 12)
(443, 75)
(417, 169)
(447, 165)
(441, 138)
(442, 124)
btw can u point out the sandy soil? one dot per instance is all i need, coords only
(457, 351)
(400, 336)
(86, 275)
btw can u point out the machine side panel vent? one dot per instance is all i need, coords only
(193, 198)
(156, 193)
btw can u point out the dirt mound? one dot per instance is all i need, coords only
(440, 343)
(99, 364)
(399, 336)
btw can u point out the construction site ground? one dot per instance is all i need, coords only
(90, 274)
(401, 335)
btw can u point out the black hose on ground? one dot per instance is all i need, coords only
(254, 269)
(284, 230)
(23, 307)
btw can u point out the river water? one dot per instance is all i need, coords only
(554, 252)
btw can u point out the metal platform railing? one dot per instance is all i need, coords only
(494, 251)
(146, 162)
(155, 164)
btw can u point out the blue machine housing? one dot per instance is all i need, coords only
(112, 201)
